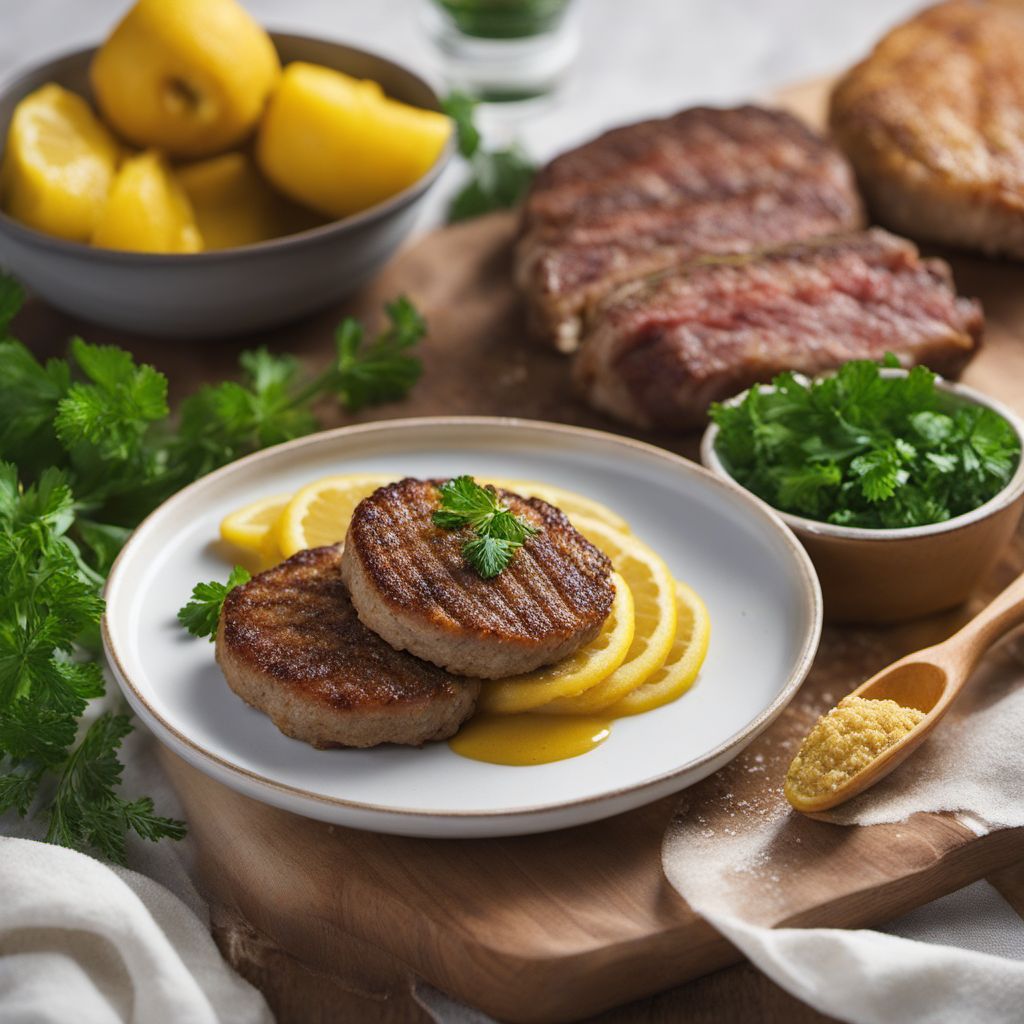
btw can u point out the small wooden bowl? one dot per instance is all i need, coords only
(886, 576)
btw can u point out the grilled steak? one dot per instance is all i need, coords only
(291, 645)
(649, 195)
(659, 351)
(932, 122)
(410, 584)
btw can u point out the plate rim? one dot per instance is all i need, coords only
(807, 577)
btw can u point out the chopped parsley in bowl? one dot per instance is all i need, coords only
(866, 447)
(904, 488)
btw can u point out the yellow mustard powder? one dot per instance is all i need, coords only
(845, 741)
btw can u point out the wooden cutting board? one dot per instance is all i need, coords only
(336, 924)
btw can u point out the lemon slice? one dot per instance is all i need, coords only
(590, 664)
(319, 513)
(571, 503)
(676, 676)
(655, 612)
(252, 528)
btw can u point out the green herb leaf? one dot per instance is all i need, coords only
(113, 411)
(12, 298)
(489, 555)
(224, 421)
(879, 473)
(499, 178)
(460, 107)
(497, 532)
(934, 427)
(87, 810)
(383, 370)
(201, 614)
(29, 396)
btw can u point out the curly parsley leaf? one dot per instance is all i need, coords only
(860, 448)
(87, 810)
(382, 370)
(111, 411)
(221, 422)
(498, 533)
(273, 403)
(460, 108)
(499, 178)
(12, 298)
(202, 613)
(29, 395)
(489, 555)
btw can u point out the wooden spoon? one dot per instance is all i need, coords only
(928, 680)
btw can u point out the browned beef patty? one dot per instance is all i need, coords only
(649, 195)
(411, 584)
(932, 123)
(658, 352)
(291, 645)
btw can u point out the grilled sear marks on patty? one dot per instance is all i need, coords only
(649, 195)
(291, 645)
(661, 350)
(932, 123)
(410, 583)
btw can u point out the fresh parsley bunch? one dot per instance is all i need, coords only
(863, 449)
(50, 611)
(87, 449)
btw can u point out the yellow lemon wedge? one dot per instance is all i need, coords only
(655, 612)
(588, 666)
(338, 145)
(147, 210)
(252, 528)
(59, 164)
(571, 503)
(234, 206)
(677, 675)
(319, 513)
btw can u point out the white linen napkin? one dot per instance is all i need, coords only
(80, 941)
(86, 942)
(973, 765)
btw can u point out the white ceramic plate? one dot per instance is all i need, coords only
(758, 583)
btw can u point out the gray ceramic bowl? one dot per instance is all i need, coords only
(885, 576)
(231, 291)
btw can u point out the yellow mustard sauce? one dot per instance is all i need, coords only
(843, 743)
(526, 739)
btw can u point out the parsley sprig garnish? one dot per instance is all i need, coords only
(273, 403)
(499, 178)
(862, 449)
(87, 448)
(201, 614)
(498, 533)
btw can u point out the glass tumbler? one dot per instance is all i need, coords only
(501, 51)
